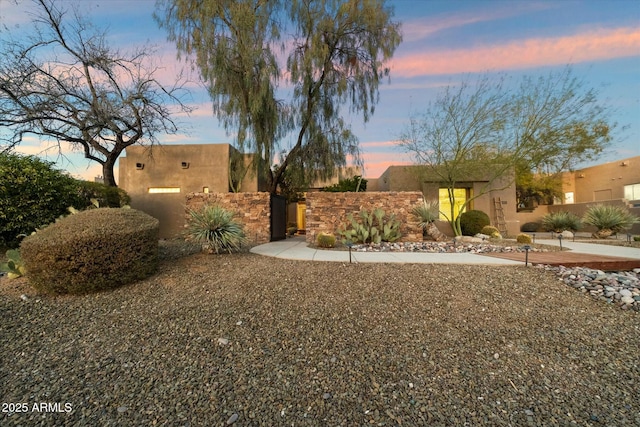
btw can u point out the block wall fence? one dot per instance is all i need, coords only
(324, 212)
(252, 210)
(327, 211)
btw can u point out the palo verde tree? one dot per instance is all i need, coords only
(280, 72)
(65, 83)
(488, 133)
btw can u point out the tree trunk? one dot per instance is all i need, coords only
(602, 233)
(107, 173)
(434, 233)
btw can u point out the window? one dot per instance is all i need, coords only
(163, 190)
(632, 192)
(460, 195)
(568, 198)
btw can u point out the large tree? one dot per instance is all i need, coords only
(494, 132)
(279, 72)
(65, 83)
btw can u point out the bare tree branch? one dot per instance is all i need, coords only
(65, 83)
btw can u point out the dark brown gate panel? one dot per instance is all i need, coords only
(278, 217)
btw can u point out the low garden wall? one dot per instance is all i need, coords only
(253, 210)
(327, 211)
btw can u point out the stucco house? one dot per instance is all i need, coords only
(496, 198)
(159, 178)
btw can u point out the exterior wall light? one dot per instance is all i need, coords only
(185, 165)
(139, 166)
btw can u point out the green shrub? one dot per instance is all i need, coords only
(561, 221)
(609, 219)
(373, 227)
(531, 227)
(636, 238)
(491, 231)
(214, 228)
(32, 194)
(523, 238)
(354, 184)
(93, 250)
(472, 222)
(326, 240)
(107, 197)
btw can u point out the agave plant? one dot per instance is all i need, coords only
(561, 221)
(215, 229)
(609, 219)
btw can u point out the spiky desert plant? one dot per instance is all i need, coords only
(561, 221)
(426, 213)
(609, 219)
(215, 229)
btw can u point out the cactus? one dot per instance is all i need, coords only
(372, 229)
(491, 231)
(13, 267)
(326, 240)
(523, 238)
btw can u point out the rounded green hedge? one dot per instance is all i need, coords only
(92, 250)
(472, 222)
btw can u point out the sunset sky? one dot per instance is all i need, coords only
(444, 42)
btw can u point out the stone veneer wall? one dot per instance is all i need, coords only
(253, 210)
(327, 211)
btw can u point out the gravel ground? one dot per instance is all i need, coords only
(246, 340)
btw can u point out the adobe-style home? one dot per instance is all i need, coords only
(608, 181)
(159, 179)
(496, 198)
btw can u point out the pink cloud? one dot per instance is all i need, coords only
(590, 46)
(376, 163)
(419, 29)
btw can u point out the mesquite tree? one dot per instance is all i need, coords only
(280, 72)
(65, 83)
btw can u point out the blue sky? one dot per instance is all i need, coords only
(444, 42)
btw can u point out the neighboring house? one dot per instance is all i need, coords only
(158, 178)
(609, 181)
(613, 183)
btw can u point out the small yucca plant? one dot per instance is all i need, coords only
(609, 219)
(215, 229)
(561, 221)
(426, 213)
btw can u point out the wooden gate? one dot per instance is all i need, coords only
(278, 217)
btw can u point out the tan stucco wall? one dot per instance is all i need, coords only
(415, 178)
(208, 166)
(602, 182)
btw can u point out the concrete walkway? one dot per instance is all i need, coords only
(296, 248)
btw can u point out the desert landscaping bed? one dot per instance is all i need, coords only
(247, 340)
